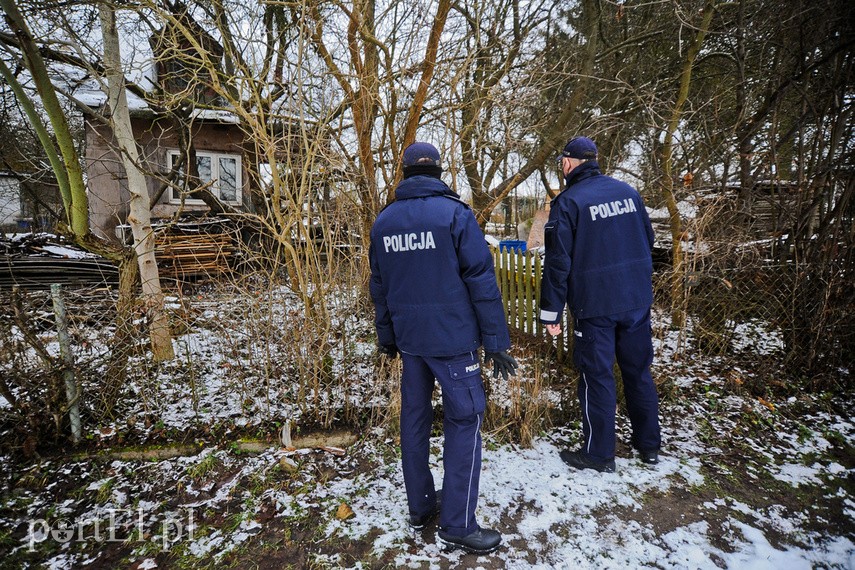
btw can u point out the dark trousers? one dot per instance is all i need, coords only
(597, 342)
(463, 403)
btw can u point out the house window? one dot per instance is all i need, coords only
(223, 169)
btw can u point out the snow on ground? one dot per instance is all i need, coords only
(550, 516)
(564, 518)
(219, 506)
(755, 336)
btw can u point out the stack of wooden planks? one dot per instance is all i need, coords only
(184, 254)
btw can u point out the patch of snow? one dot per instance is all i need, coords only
(797, 475)
(687, 210)
(67, 252)
(755, 336)
(61, 562)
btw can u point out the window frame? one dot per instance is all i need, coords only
(171, 157)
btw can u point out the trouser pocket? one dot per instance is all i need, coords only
(584, 350)
(463, 391)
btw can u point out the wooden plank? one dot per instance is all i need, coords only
(184, 254)
(538, 276)
(529, 308)
(514, 289)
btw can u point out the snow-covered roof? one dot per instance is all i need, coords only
(91, 95)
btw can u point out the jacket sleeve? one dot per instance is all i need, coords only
(558, 237)
(478, 273)
(382, 317)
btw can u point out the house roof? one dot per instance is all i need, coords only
(139, 64)
(91, 95)
(138, 107)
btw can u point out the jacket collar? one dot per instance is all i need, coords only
(581, 172)
(422, 187)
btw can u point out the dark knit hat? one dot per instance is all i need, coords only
(421, 154)
(582, 148)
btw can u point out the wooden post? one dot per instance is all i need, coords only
(501, 278)
(514, 290)
(519, 305)
(529, 307)
(538, 277)
(67, 358)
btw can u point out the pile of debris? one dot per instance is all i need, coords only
(38, 260)
(197, 248)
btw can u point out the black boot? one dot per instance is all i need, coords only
(482, 541)
(649, 457)
(581, 460)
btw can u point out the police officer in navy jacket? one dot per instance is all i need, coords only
(598, 262)
(436, 302)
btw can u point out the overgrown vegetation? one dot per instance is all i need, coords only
(732, 118)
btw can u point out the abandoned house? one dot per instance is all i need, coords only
(165, 141)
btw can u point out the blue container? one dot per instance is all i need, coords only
(516, 245)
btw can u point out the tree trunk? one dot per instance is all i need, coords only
(678, 315)
(43, 136)
(744, 145)
(123, 339)
(418, 102)
(78, 207)
(365, 98)
(139, 217)
(484, 204)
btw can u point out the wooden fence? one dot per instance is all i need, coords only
(518, 276)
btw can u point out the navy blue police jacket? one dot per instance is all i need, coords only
(432, 278)
(598, 244)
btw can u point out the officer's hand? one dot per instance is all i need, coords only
(503, 363)
(554, 330)
(390, 350)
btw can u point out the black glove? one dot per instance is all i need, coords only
(503, 363)
(390, 350)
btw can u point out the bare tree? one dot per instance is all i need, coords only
(69, 172)
(140, 210)
(667, 179)
(77, 204)
(491, 92)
